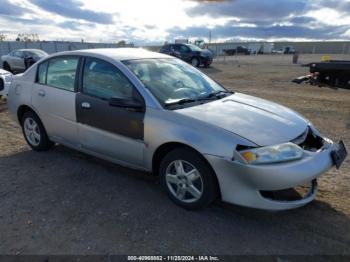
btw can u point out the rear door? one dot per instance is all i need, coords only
(108, 130)
(53, 97)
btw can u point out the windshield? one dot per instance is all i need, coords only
(171, 80)
(195, 48)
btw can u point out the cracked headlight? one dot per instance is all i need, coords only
(272, 154)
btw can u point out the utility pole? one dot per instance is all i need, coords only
(209, 36)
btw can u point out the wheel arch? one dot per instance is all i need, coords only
(198, 59)
(22, 109)
(165, 148)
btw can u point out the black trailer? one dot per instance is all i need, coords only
(333, 73)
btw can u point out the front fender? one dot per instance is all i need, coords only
(166, 126)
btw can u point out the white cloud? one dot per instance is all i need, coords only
(159, 20)
(330, 16)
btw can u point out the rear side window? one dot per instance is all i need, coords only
(177, 48)
(103, 80)
(61, 72)
(41, 77)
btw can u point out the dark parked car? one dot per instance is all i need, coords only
(238, 50)
(289, 50)
(21, 59)
(189, 53)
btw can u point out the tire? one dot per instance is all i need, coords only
(195, 62)
(34, 132)
(2, 85)
(192, 189)
(7, 67)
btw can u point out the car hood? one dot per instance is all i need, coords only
(258, 120)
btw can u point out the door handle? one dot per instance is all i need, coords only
(41, 93)
(85, 105)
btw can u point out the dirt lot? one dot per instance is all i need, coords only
(64, 202)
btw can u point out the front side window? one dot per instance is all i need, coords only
(177, 48)
(42, 69)
(194, 48)
(61, 72)
(103, 80)
(170, 80)
(18, 54)
(184, 49)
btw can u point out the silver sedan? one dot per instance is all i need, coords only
(153, 112)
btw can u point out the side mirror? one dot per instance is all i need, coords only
(127, 103)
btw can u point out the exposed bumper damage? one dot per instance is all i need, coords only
(276, 186)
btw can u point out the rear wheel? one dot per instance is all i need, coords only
(188, 179)
(34, 132)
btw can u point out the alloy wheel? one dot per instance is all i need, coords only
(32, 131)
(184, 181)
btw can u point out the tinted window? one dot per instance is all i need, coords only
(61, 72)
(194, 48)
(102, 79)
(42, 69)
(184, 49)
(177, 48)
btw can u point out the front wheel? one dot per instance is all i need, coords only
(188, 179)
(34, 132)
(195, 62)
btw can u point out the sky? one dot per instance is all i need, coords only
(155, 21)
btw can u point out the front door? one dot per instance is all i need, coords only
(185, 52)
(53, 97)
(108, 130)
(17, 61)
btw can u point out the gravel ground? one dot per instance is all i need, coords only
(65, 202)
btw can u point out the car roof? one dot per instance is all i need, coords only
(117, 53)
(33, 50)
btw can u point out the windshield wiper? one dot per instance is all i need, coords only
(216, 94)
(180, 102)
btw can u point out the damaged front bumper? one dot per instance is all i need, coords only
(247, 185)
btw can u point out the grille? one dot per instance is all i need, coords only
(309, 141)
(291, 194)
